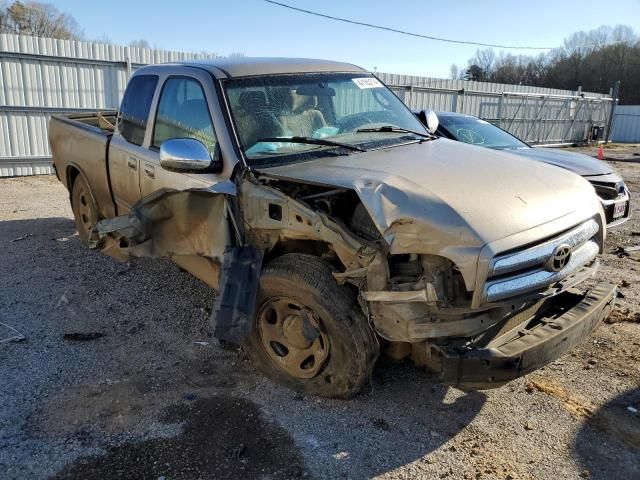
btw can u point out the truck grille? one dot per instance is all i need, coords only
(539, 266)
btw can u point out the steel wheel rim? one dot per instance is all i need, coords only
(292, 337)
(85, 210)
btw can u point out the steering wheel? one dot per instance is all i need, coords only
(467, 135)
(352, 123)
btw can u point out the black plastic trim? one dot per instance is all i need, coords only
(513, 355)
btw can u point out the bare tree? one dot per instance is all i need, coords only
(485, 59)
(623, 34)
(38, 19)
(454, 71)
(594, 60)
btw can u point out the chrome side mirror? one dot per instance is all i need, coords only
(184, 155)
(430, 120)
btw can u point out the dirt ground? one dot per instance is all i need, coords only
(156, 397)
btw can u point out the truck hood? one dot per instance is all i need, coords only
(441, 195)
(575, 162)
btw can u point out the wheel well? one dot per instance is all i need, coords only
(311, 247)
(72, 174)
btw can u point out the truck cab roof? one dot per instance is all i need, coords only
(250, 66)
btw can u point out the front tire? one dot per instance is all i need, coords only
(84, 209)
(309, 333)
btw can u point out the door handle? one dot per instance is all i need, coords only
(132, 163)
(150, 171)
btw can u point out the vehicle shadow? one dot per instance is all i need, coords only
(153, 315)
(608, 444)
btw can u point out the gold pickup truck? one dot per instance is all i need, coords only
(334, 225)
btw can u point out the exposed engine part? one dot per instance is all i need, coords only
(362, 225)
(292, 223)
(328, 193)
(439, 272)
(338, 203)
(411, 272)
(405, 269)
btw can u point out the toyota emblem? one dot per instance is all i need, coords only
(559, 258)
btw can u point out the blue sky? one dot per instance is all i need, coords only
(256, 28)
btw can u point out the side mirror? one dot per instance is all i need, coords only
(429, 119)
(185, 155)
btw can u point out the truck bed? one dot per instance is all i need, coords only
(79, 146)
(104, 121)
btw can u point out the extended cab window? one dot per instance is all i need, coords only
(183, 113)
(134, 111)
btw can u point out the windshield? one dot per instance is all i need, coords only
(478, 132)
(325, 106)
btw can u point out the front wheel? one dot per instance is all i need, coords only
(309, 333)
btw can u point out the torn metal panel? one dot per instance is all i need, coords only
(416, 322)
(296, 221)
(427, 295)
(356, 273)
(169, 223)
(234, 309)
(203, 268)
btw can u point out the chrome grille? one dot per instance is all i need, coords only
(526, 270)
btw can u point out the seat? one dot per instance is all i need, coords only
(298, 114)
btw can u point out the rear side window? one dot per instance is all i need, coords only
(183, 113)
(134, 111)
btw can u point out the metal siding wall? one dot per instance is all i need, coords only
(544, 120)
(626, 124)
(40, 74)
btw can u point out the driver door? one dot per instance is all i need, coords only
(182, 112)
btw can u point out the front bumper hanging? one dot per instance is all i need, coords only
(569, 321)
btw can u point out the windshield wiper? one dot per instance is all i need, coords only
(390, 129)
(312, 141)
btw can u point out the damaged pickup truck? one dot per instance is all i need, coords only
(334, 225)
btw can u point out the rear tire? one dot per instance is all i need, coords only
(309, 333)
(84, 209)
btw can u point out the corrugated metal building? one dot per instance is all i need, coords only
(626, 124)
(43, 76)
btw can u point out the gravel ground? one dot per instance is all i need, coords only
(156, 396)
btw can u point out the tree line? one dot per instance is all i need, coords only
(38, 19)
(593, 60)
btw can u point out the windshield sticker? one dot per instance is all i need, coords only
(367, 82)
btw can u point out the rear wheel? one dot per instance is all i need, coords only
(309, 333)
(84, 209)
